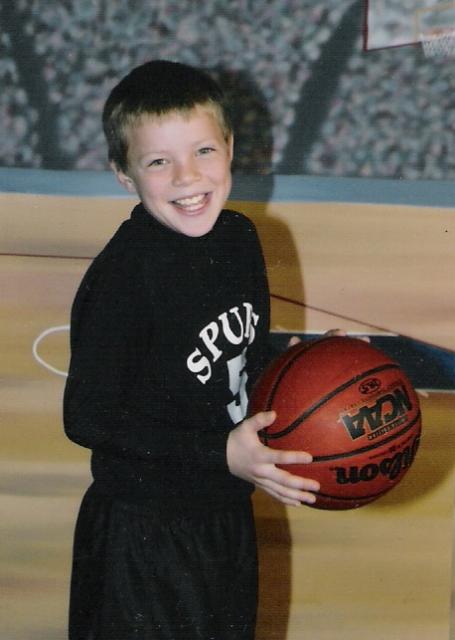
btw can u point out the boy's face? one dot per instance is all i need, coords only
(180, 167)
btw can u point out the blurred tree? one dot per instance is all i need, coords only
(29, 64)
(319, 90)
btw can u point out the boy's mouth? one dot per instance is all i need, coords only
(192, 203)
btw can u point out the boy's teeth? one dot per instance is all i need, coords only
(186, 202)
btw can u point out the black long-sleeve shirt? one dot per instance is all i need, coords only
(167, 334)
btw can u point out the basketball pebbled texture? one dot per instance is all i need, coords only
(352, 407)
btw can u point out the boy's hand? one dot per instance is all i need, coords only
(341, 332)
(250, 460)
(332, 332)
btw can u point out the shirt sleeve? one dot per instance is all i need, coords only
(110, 333)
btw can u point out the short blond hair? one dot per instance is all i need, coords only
(158, 88)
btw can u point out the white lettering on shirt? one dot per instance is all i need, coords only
(236, 325)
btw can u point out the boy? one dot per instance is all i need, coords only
(169, 329)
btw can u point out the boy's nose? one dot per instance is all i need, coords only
(186, 173)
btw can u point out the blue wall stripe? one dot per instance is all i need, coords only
(278, 188)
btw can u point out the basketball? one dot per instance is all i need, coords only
(352, 407)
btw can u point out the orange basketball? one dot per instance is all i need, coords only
(350, 406)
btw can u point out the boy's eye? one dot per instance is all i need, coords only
(158, 162)
(205, 150)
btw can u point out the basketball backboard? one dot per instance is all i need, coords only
(397, 23)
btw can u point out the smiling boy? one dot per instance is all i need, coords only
(169, 330)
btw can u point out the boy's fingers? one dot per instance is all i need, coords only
(335, 332)
(285, 480)
(261, 420)
(289, 495)
(290, 480)
(290, 457)
(277, 456)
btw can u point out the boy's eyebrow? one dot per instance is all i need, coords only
(197, 143)
(153, 152)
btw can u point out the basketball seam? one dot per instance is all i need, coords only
(304, 347)
(322, 401)
(369, 497)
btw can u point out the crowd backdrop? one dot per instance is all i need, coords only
(306, 97)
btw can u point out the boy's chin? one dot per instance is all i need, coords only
(193, 226)
(197, 232)
(196, 227)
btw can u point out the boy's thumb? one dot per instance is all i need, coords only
(261, 420)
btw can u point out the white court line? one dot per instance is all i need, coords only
(39, 359)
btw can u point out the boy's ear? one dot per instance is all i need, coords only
(123, 179)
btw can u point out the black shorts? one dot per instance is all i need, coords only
(142, 575)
